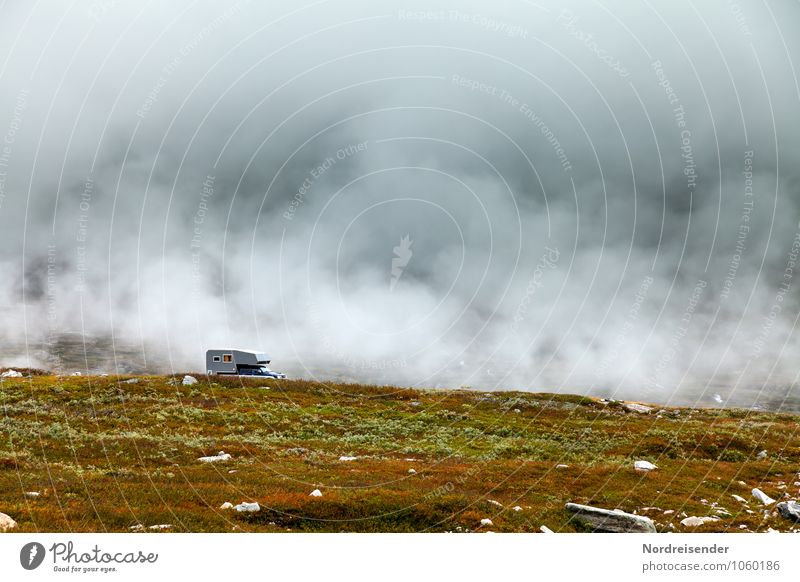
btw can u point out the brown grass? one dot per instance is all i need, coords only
(107, 455)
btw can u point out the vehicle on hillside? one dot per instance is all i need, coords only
(239, 363)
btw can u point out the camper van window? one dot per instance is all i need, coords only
(216, 358)
(227, 358)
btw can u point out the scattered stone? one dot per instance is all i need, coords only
(411, 460)
(495, 503)
(644, 466)
(75, 374)
(695, 521)
(742, 483)
(6, 523)
(486, 521)
(160, 526)
(32, 494)
(634, 407)
(545, 529)
(132, 381)
(669, 512)
(316, 493)
(604, 520)
(789, 510)
(762, 497)
(220, 456)
(412, 471)
(232, 471)
(189, 380)
(562, 466)
(739, 498)
(517, 508)
(346, 458)
(11, 374)
(761, 456)
(226, 505)
(137, 527)
(245, 507)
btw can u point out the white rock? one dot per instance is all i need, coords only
(346, 458)
(562, 466)
(32, 494)
(694, 521)
(226, 505)
(545, 529)
(644, 466)
(6, 523)
(669, 512)
(762, 497)
(11, 374)
(486, 521)
(220, 456)
(739, 498)
(245, 507)
(517, 508)
(189, 380)
(137, 527)
(495, 503)
(161, 526)
(316, 493)
(412, 471)
(75, 374)
(761, 455)
(132, 381)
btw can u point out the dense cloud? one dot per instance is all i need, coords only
(539, 196)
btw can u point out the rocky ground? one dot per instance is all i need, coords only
(169, 453)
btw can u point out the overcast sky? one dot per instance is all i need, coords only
(583, 196)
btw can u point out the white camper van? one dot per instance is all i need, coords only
(239, 363)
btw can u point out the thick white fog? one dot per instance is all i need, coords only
(586, 197)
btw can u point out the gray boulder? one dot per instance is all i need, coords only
(789, 510)
(636, 407)
(605, 520)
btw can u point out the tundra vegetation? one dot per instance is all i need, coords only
(116, 453)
